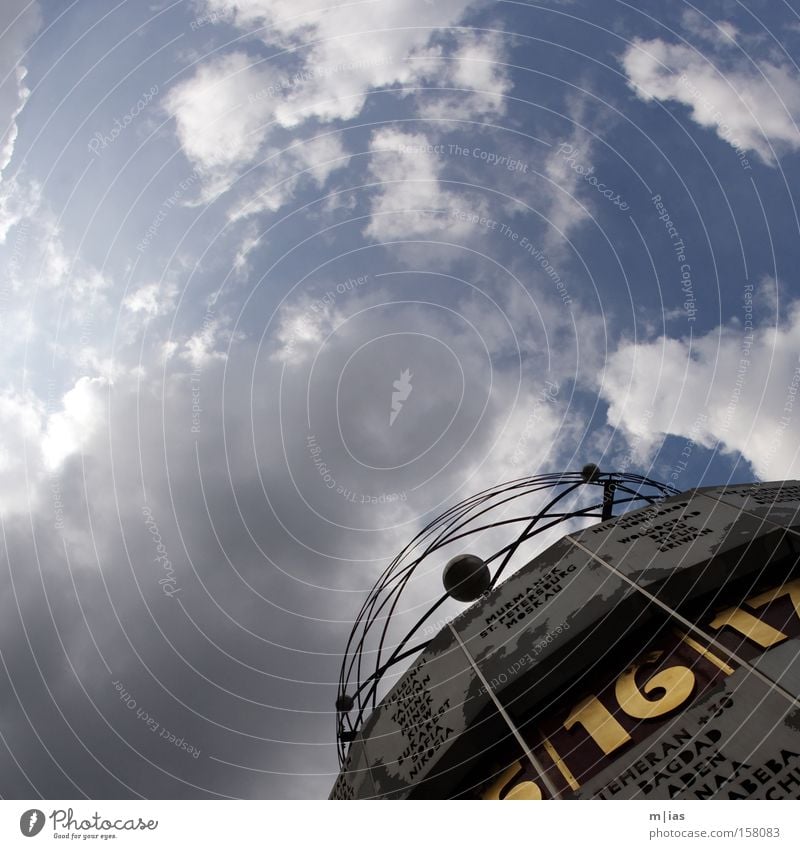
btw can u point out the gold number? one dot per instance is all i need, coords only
(677, 681)
(745, 623)
(599, 723)
(792, 589)
(706, 653)
(523, 790)
(494, 790)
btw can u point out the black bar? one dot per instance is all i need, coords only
(609, 488)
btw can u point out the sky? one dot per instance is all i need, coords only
(281, 281)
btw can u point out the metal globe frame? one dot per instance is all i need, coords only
(358, 679)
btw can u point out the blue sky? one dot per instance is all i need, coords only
(229, 227)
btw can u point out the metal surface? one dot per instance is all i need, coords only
(368, 655)
(716, 570)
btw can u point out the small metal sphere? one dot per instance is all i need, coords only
(345, 703)
(466, 577)
(590, 472)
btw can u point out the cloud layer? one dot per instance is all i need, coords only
(751, 105)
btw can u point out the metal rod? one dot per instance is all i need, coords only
(551, 788)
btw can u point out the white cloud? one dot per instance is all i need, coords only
(337, 54)
(527, 431)
(39, 437)
(169, 349)
(10, 133)
(353, 47)
(719, 389)
(19, 200)
(714, 32)
(219, 114)
(56, 303)
(152, 299)
(411, 202)
(301, 329)
(563, 167)
(21, 422)
(751, 107)
(314, 160)
(72, 427)
(19, 21)
(476, 68)
(200, 349)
